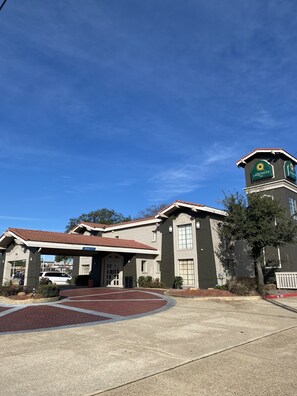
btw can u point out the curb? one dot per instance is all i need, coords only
(238, 298)
(231, 298)
(284, 295)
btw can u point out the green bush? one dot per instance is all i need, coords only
(177, 282)
(241, 286)
(47, 291)
(148, 281)
(156, 283)
(145, 281)
(44, 281)
(10, 290)
(221, 287)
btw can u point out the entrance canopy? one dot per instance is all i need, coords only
(58, 243)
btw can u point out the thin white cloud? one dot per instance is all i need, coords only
(190, 176)
(264, 119)
(20, 218)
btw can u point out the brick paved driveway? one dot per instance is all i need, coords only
(82, 306)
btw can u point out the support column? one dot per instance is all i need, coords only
(33, 269)
(75, 270)
(2, 262)
(96, 270)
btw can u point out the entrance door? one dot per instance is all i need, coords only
(113, 270)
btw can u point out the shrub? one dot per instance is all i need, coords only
(47, 291)
(81, 280)
(156, 283)
(10, 290)
(221, 287)
(241, 286)
(145, 281)
(177, 282)
(44, 281)
(269, 276)
(148, 281)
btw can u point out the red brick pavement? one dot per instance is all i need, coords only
(81, 306)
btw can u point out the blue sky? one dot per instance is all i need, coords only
(125, 103)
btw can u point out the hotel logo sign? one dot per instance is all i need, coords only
(261, 170)
(290, 172)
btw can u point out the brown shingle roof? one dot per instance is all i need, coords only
(76, 239)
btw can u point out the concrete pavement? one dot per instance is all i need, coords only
(208, 347)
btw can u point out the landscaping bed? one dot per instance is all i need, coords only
(199, 293)
(15, 294)
(27, 299)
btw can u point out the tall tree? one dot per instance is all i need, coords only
(261, 222)
(151, 210)
(101, 216)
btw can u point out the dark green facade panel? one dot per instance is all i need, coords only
(167, 262)
(206, 259)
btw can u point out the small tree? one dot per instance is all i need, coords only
(261, 222)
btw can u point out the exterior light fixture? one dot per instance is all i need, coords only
(170, 228)
(198, 225)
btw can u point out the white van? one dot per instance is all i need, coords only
(59, 278)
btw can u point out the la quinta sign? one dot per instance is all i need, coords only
(261, 170)
(290, 172)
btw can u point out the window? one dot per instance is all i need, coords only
(143, 266)
(229, 266)
(85, 269)
(186, 271)
(293, 208)
(154, 236)
(185, 240)
(272, 257)
(158, 267)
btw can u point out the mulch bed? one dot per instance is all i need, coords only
(199, 293)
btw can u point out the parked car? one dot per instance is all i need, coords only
(59, 278)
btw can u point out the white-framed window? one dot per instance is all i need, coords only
(158, 266)
(293, 207)
(185, 237)
(272, 262)
(85, 269)
(154, 236)
(143, 266)
(186, 271)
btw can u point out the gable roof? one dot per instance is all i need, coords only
(193, 206)
(242, 162)
(37, 238)
(148, 220)
(116, 226)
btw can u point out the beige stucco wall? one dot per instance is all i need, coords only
(221, 273)
(143, 234)
(185, 254)
(16, 253)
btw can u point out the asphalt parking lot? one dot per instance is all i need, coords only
(205, 347)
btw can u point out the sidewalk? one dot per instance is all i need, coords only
(201, 346)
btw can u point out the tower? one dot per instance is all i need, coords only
(272, 172)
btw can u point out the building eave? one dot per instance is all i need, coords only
(243, 161)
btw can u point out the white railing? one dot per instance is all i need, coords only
(286, 280)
